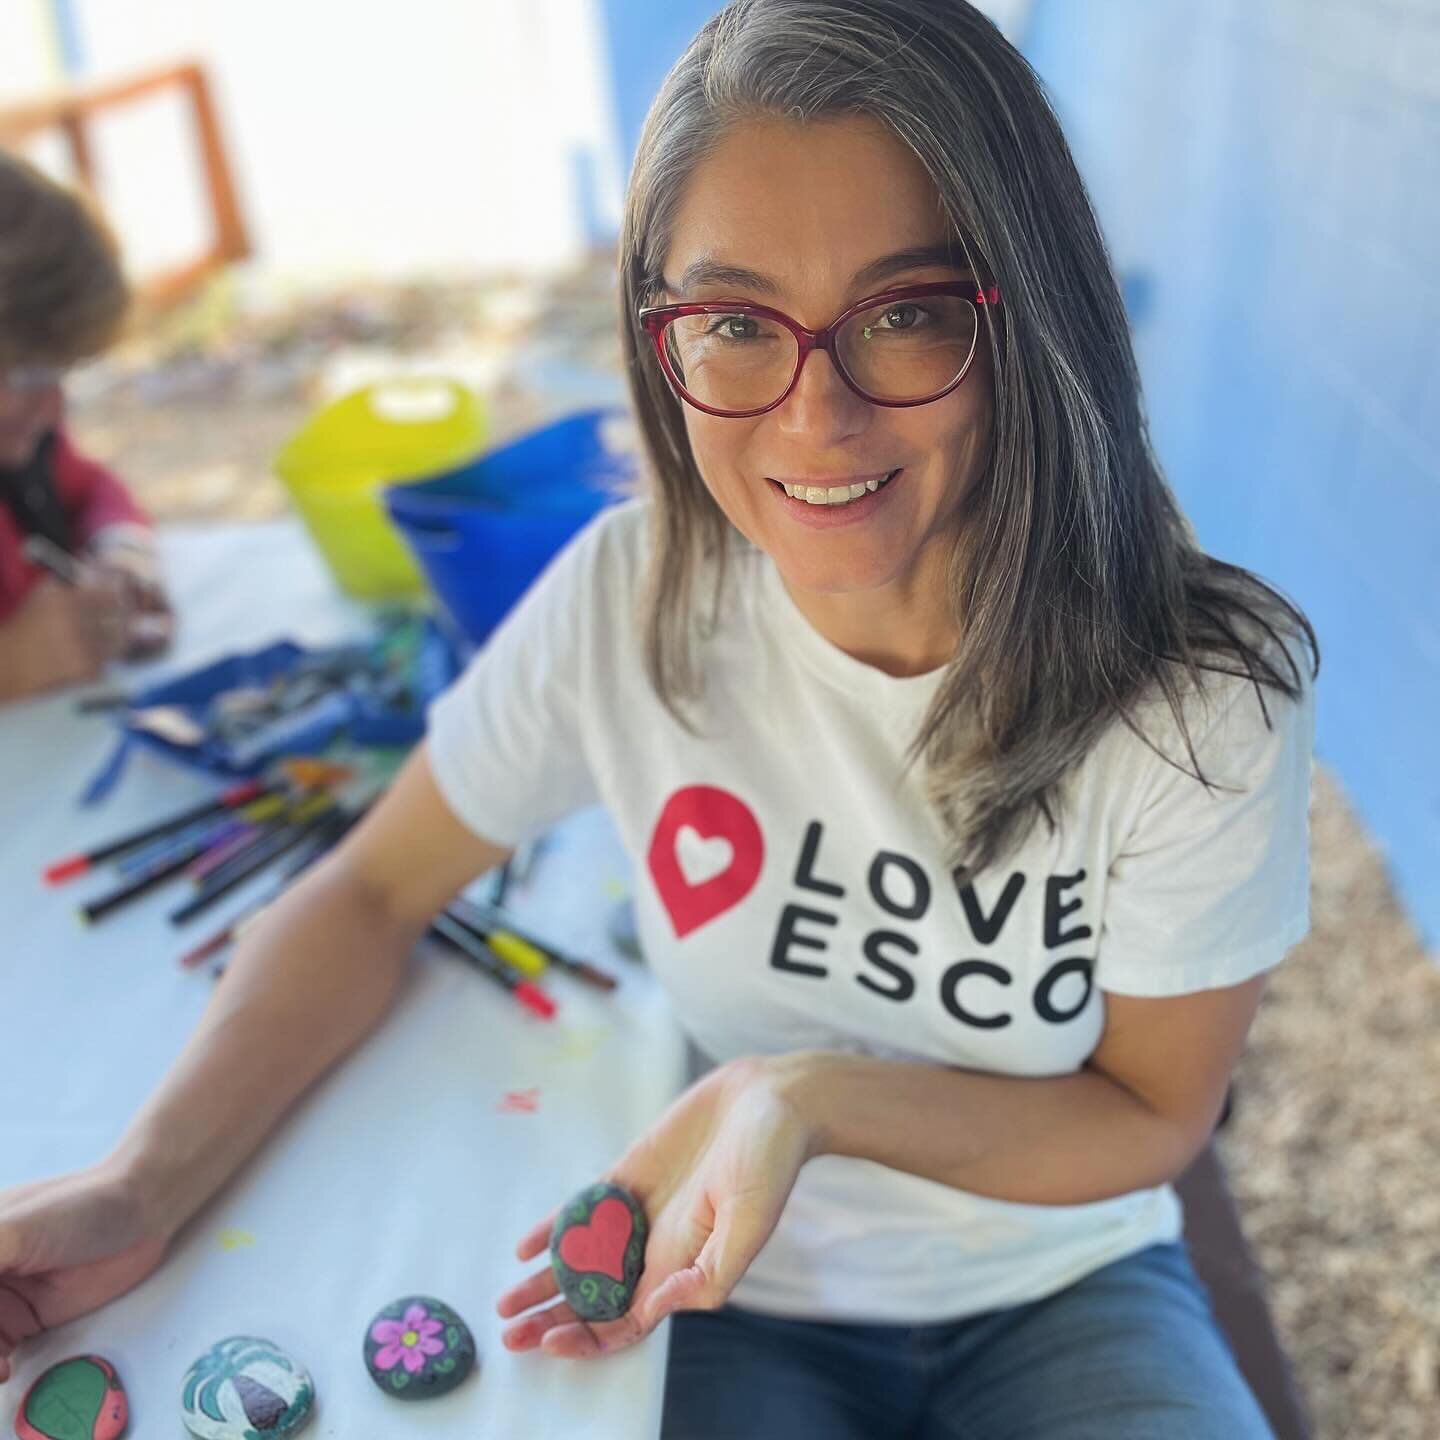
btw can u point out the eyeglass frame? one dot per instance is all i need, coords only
(654, 318)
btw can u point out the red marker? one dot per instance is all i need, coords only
(73, 865)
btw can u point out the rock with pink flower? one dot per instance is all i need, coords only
(417, 1348)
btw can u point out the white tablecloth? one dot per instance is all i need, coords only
(407, 1170)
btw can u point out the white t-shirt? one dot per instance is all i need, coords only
(791, 892)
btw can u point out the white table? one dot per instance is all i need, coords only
(404, 1171)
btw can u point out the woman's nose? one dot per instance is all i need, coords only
(822, 406)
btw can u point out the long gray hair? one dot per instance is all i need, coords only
(1077, 582)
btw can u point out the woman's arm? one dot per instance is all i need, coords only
(715, 1171)
(306, 984)
(1135, 1116)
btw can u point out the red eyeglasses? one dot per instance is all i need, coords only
(903, 347)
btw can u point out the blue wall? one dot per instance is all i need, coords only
(1266, 174)
(646, 37)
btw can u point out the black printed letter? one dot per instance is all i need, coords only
(904, 986)
(985, 928)
(786, 936)
(919, 881)
(1044, 1008)
(1055, 912)
(950, 985)
(804, 869)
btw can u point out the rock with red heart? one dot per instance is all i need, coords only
(78, 1399)
(597, 1250)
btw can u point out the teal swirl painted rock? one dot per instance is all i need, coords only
(244, 1388)
(417, 1348)
(597, 1250)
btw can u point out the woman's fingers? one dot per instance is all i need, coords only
(533, 1290)
(526, 1334)
(536, 1239)
(688, 1289)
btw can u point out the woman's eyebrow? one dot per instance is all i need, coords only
(707, 270)
(917, 257)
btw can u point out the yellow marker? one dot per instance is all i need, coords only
(263, 808)
(310, 805)
(520, 953)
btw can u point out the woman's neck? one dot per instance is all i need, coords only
(899, 629)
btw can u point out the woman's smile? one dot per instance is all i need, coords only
(826, 503)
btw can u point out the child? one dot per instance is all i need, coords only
(62, 298)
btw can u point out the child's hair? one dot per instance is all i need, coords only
(63, 296)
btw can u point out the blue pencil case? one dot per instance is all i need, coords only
(361, 713)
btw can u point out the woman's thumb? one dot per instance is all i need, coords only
(732, 1244)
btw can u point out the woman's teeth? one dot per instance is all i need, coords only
(835, 494)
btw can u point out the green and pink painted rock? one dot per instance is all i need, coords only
(417, 1348)
(597, 1250)
(78, 1399)
(245, 1388)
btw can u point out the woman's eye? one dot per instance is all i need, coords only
(901, 317)
(734, 327)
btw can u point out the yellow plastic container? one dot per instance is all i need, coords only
(338, 462)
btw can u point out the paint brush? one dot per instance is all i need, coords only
(59, 562)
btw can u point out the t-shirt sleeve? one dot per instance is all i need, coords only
(1211, 887)
(506, 742)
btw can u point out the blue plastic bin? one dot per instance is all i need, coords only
(483, 531)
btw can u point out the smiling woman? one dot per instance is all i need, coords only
(907, 583)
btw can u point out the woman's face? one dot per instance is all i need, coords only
(810, 206)
(29, 409)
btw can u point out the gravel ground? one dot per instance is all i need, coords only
(1333, 1143)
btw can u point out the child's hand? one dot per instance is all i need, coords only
(127, 554)
(63, 634)
(150, 621)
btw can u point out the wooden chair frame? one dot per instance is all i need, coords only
(72, 111)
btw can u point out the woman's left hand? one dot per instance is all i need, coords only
(713, 1174)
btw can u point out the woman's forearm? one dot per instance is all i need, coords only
(307, 982)
(1062, 1140)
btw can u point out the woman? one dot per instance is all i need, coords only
(890, 686)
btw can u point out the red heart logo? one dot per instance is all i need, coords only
(705, 855)
(600, 1244)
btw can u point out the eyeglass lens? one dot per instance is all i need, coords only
(897, 350)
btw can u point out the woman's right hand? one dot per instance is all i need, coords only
(67, 1246)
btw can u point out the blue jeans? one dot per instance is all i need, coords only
(1128, 1352)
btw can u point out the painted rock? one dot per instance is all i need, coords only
(246, 1389)
(78, 1399)
(597, 1251)
(417, 1348)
